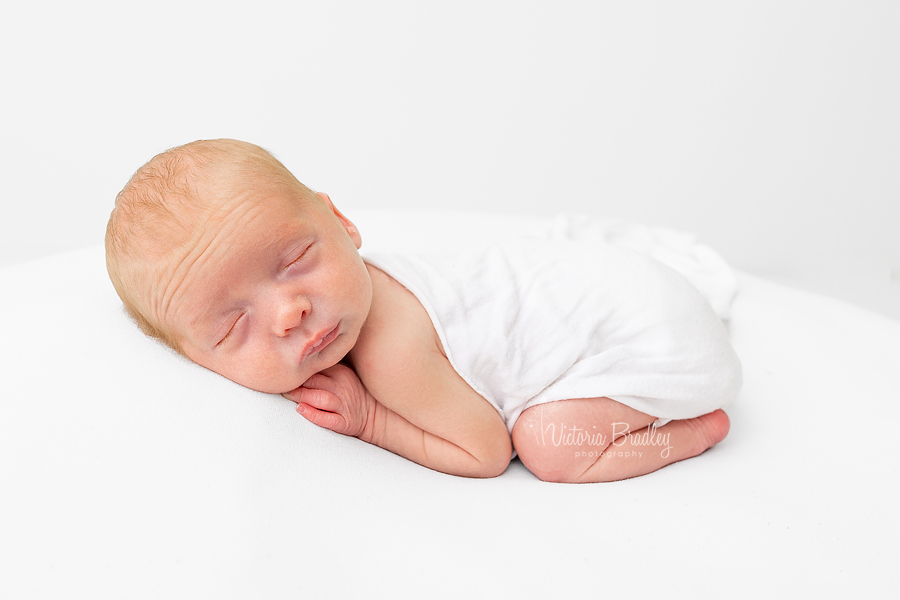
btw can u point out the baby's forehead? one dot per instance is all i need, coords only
(246, 222)
(197, 194)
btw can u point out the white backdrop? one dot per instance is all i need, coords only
(769, 128)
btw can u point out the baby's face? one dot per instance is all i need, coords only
(269, 296)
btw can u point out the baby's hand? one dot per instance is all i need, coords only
(335, 399)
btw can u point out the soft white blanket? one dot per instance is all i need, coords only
(128, 472)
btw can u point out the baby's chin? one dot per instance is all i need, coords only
(284, 385)
(281, 387)
(266, 385)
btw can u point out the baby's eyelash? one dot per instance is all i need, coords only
(302, 254)
(230, 331)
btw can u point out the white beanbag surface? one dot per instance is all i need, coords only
(128, 472)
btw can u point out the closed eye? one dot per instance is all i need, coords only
(299, 258)
(230, 331)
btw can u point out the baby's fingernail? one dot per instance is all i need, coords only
(300, 408)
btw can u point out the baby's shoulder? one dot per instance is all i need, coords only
(398, 336)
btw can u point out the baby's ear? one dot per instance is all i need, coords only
(351, 229)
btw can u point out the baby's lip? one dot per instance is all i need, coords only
(319, 342)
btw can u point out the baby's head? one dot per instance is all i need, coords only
(217, 250)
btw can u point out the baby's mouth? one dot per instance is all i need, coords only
(319, 342)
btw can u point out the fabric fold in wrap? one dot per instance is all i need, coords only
(680, 250)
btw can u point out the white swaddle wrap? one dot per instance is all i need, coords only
(696, 262)
(536, 320)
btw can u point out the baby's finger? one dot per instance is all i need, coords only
(321, 381)
(305, 393)
(317, 398)
(328, 420)
(294, 394)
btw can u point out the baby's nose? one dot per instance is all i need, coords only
(290, 313)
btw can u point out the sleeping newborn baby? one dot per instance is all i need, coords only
(591, 362)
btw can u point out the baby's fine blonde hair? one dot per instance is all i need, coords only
(169, 201)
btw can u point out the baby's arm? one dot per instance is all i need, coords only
(477, 446)
(408, 398)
